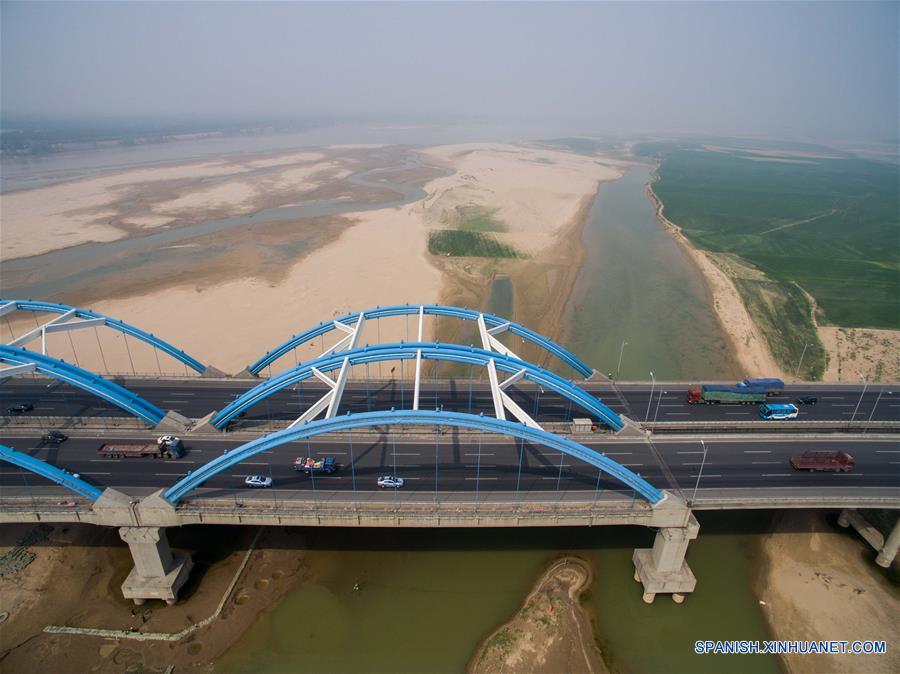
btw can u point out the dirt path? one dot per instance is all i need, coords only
(550, 633)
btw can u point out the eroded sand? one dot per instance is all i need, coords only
(110, 207)
(823, 584)
(861, 353)
(379, 258)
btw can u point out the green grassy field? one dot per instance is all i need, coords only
(829, 225)
(459, 243)
(477, 219)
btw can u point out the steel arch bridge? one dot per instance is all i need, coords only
(50, 472)
(24, 361)
(88, 319)
(417, 351)
(488, 324)
(412, 417)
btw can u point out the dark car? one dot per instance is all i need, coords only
(19, 409)
(54, 437)
(807, 400)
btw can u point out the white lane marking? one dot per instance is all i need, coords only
(250, 463)
(677, 414)
(476, 454)
(483, 478)
(764, 463)
(103, 460)
(777, 474)
(173, 401)
(850, 473)
(736, 414)
(691, 452)
(705, 475)
(92, 473)
(845, 405)
(618, 453)
(631, 465)
(887, 451)
(694, 463)
(757, 451)
(832, 397)
(171, 474)
(183, 395)
(406, 454)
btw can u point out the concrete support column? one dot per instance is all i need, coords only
(158, 573)
(889, 551)
(662, 568)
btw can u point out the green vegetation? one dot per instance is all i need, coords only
(478, 219)
(784, 316)
(830, 226)
(459, 243)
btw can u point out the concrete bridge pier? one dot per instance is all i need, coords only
(158, 573)
(891, 546)
(662, 568)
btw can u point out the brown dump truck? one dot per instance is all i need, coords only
(836, 462)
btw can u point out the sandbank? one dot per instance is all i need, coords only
(113, 206)
(550, 632)
(822, 584)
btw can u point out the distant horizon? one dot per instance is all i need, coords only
(779, 70)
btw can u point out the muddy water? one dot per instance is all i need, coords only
(638, 286)
(424, 599)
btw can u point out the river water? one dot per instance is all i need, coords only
(638, 286)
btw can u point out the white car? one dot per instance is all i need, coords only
(258, 481)
(390, 482)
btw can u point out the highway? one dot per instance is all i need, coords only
(195, 398)
(491, 466)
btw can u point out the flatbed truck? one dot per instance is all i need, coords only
(724, 395)
(166, 447)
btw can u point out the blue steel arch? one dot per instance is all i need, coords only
(44, 469)
(115, 324)
(88, 381)
(412, 417)
(490, 320)
(430, 351)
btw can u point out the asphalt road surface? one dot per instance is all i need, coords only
(453, 465)
(196, 398)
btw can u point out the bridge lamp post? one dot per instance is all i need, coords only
(699, 473)
(859, 402)
(872, 413)
(658, 401)
(621, 351)
(652, 387)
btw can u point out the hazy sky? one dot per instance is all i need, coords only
(815, 69)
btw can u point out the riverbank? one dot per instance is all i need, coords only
(550, 632)
(748, 344)
(819, 583)
(74, 578)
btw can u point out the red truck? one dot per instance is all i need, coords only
(837, 462)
